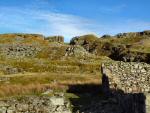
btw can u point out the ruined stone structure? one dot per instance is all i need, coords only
(55, 39)
(130, 83)
(34, 104)
(129, 77)
(20, 50)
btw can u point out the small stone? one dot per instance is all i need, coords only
(57, 101)
(47, 92)
(3, 110)
(143, 71)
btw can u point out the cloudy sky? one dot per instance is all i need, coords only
(74, 17)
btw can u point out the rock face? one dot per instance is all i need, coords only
(77, 51)
(129, 83)
(34, 104)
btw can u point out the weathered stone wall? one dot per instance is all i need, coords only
(35, 104)
(55, 39)
(130, 77)
(129, 83)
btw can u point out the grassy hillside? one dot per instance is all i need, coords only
(44, 65)
(31, 64)
(128, 46)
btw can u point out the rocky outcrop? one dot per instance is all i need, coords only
(20, 37)
(121, 47)
(86, 41)
(35, 104)
(82, 40)
(77, 51)
(133, 34)
(55, 39)
(122, 53)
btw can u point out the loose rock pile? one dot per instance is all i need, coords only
(20, 50)
(34, 104)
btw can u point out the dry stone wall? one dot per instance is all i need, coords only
(55, 39)
(130, 77)
(129, 83)
(35, 104)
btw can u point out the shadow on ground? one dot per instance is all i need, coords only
(94, 98)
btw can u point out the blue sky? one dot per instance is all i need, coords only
(74, 17)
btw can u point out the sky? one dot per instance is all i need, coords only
(71, 18)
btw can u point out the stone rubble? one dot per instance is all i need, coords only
(35, 104)
(20, 50)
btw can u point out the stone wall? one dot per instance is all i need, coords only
(130, 77)
(35, 104)
(129, 83)
(55, 39)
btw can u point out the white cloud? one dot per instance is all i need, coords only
(47, 23)
(53, 23)
(69, 25)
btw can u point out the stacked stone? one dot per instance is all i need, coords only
(129, 77)
(34, 104)
(55, 39)
(20, 50)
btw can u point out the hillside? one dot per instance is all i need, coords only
(32, 64)
(132, 46)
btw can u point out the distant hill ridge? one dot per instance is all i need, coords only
(132, 46)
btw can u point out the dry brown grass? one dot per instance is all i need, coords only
(38, 83)
(27, 38)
